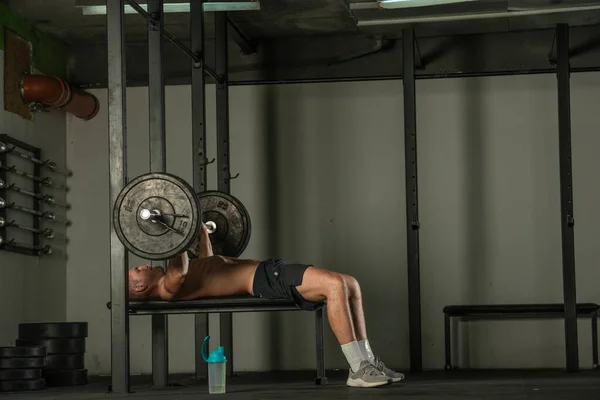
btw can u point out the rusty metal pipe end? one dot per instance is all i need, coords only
(54, 92)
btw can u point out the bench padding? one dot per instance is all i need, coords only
(212, 304)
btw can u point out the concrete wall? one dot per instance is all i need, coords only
(33, 289)
(322, 174)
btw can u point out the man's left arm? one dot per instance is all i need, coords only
(204, 248)
(171, 283)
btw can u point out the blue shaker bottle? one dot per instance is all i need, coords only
(216, 368)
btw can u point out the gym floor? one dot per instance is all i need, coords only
(489, 385)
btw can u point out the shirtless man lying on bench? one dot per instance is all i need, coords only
(308, 286)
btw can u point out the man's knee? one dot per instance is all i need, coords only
(331, 283)
(352, 284)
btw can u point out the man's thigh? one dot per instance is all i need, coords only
(316, 282)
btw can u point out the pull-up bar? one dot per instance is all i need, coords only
(194, 57)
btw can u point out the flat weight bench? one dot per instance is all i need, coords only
(232, 304)
(515, 311)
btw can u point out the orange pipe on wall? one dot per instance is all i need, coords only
(55, 92)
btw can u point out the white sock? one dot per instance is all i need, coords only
(353, 354)
(365, 347)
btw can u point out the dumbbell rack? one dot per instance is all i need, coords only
(35, 152)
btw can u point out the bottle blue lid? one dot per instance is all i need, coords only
(216, 356)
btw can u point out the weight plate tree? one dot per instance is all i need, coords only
(22, 385)
(51, 330)
(69, 345)
(157, 216)
(22, 351)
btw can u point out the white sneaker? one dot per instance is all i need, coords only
(367, 376)
(393, 375)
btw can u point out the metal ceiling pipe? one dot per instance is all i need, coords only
(396, 4)
(56, 93)
(476, 16)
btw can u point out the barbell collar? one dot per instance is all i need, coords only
(211, 227)
(152, 215)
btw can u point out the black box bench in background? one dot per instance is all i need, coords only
(232, 304)
(516, 311)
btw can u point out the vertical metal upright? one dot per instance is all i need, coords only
(199, 160)
(3, 197)
(563, 74)
(117, 142)
(224, 173)
(412, 199)
(158, 163)
(156, 87)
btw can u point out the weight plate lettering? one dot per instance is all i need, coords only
(64, 361)
(66, 377)
(22, 385)
(22, 363)
(230, 220)
(53, 330)
(157, 216)
(22, 351)
(56, 346)
(20, 374)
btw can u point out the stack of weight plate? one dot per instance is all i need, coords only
(21, 368)
(65, 350)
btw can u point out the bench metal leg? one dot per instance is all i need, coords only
(160, 350)
(226, 333)
(595, 339)
(448, 342)
(200, 332)
(320, 345)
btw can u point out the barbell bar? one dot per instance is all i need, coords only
(50, 165)
(44, 180)
(157, 216)
(43, 197)
(44, 249)
(47, 233)
(47, 215)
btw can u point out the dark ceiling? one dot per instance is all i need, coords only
(328, 40)
(293, 18)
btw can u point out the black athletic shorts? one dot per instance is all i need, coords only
(276, 279)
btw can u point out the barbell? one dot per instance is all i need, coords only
(157, 216)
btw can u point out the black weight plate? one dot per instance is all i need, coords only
(20, 374)
(47, 330)
(232, 221)
(56, 346)
(22, 363)
(167, 194)
(66, 377)
(65, 361)
(23, 385)
(22, 351)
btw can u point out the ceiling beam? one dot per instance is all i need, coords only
(308, 60)
(246, 45)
